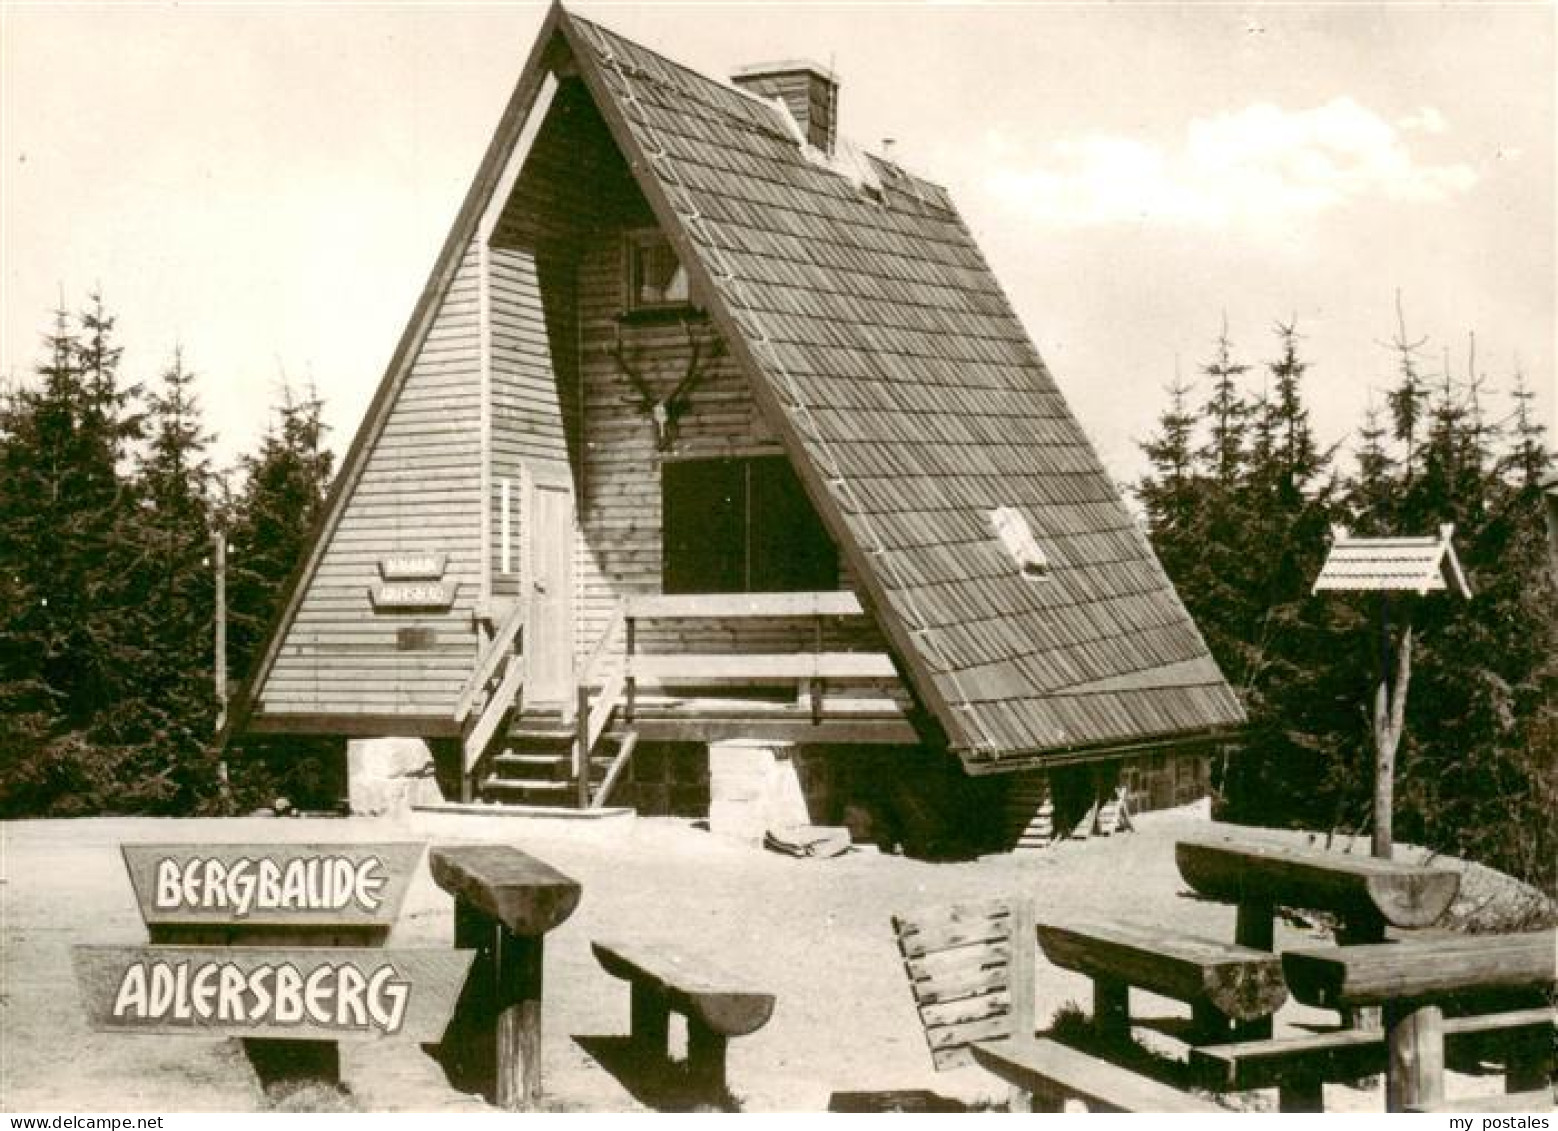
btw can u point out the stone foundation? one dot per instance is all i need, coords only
(901, 799)
(388, 775)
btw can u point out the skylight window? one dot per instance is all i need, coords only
(1012, 529)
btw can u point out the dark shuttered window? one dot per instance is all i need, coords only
(742, 526)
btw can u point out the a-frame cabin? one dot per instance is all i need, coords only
(708, 426)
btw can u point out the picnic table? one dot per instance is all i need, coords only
(1413, 980)
(1366, 894)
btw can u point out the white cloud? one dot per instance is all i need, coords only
(1251, 167)
(1427, 119)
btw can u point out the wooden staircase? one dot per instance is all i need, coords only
(533, 764)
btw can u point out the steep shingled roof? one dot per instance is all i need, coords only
(915, 404)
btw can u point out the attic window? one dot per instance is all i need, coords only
(1018, 540)
(654, 277)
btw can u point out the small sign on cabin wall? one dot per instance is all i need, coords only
(425, 566)
(412, 595)
(413, 580)
(295, 993)
(271, 884)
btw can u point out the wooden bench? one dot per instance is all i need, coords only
(971, 968)
(1052, 1073)
(717, 1006)
(1230, 989)
(1413, 981)
(504, 904)
(1298, 1067)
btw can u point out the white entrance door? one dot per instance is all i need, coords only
(548, 535)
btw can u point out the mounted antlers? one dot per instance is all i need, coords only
(664, 412)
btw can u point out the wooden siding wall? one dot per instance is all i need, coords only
(619, 497)
(534, 382)
(419, 491)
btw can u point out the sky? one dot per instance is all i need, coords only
(265, 186)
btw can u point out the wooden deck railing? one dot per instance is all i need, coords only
(608, 679)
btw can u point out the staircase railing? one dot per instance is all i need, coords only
(601, 668)
(489, 660)
(502, 660)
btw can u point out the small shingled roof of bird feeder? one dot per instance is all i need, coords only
(1418, 565)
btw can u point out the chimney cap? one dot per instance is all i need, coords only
(784, 67)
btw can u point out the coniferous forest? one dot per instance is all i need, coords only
(1240, 499)
(109, 504)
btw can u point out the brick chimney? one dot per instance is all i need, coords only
(811, 92)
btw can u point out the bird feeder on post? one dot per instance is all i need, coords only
(1386, 566)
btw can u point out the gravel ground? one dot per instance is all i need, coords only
(816, 932)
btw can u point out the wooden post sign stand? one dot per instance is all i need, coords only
(504, 904)
(271, 941)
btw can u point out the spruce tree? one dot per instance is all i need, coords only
(72, 655)
(284, 490)
(1226, 414)
(176, 484)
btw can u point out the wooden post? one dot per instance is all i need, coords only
(219, 660)
(1210, 1025)
(1024, 988)
(650, 1021)
(581, 746)
(1414, 1073)
(520, 960)
(1390, 705)
(1526, 1063)
(1301, 1094)
(706, 1061)
(1111, 1008)
(1255, 926)
(630, 634)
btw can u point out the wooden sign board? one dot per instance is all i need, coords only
(412, 595)
(427, 566)
(283, 993)
(293, 885)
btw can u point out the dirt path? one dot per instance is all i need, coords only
(815, 932)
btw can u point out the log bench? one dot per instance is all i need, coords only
(1413, 981)
(716, 1005)
(1052, 1073)
(1298, 1067)
(504, 904)
(1231, 990)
